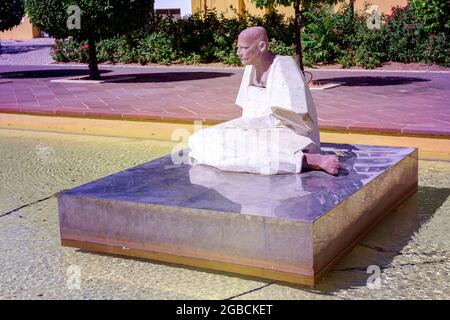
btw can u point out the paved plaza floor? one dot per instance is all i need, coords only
(405, 102)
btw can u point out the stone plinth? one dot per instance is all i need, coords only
(285, 227)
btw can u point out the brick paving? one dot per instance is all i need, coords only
(384, 101)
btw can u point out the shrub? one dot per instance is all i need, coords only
(437, 49)
(401, 38)
(127, 49)
(410, 41)
(280, 48)
(433, 14)
(369, 45)
(193, 58)
(277, 25)
(70, 50)
(370, 53)
(229, 57)
(404, 36)
(319, 39)
(195, 34)
(106, 50)
(345, 25)
(328, 37)
(156, 47)
(347, 59)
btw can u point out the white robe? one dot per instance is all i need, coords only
(257, 142)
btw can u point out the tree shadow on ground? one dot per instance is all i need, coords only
(171, 76)
(47, 73)
(369, 81)
(116, 78)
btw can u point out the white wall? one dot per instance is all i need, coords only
(184, 5)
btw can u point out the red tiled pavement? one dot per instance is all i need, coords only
(392, 102)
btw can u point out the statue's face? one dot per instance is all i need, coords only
(248, 50)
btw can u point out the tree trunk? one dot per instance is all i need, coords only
(298, 36)
(352, 7)
(352, 12)
(152, 11)
(93, 63)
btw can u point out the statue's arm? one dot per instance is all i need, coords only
(289, 89)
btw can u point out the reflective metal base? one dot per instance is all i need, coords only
(286, 227)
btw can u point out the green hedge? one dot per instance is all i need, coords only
(328, 37)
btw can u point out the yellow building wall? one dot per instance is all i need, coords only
(224, 6)
(385, 5)
(23, 31)
(227, 7)
(250, 7)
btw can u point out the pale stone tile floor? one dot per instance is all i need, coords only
(26, 52)
(411, 246)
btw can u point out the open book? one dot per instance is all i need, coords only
(301, 124)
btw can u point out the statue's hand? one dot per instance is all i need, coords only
(301, 124)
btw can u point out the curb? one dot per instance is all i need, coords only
(430, 147)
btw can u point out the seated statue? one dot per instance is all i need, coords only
(277, 132)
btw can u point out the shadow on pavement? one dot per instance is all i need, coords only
(128, 78)
(368, 81)
(47, 73)
(172, 76)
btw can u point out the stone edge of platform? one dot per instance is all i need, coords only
(212, 121)
(431, 146)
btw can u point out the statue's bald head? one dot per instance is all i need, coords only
(256, 34)
(253, 45)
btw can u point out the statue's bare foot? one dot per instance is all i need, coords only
(327, 163)
(330, 164)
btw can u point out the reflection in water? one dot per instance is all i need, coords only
(256, 194)
(304, 196)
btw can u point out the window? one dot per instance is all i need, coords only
(174, 13)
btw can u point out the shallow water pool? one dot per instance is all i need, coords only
(411, 246)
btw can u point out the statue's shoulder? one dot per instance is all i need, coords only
(286, 64)
(286, 59)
